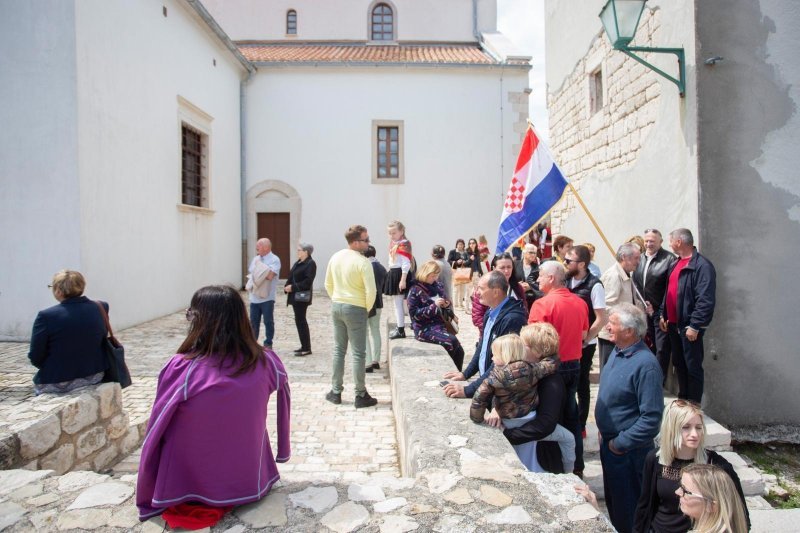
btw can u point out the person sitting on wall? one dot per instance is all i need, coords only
(207, 444)
(426, 304)
(67, 339)
(505, 315)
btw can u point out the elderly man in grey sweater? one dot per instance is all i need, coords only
(628, 412)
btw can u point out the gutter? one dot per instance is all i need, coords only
(491, 66)
(243, 165)
(220, 33)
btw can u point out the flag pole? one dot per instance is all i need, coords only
(589, 214)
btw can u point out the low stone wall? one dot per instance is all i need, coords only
(471, 467)
(86, 429)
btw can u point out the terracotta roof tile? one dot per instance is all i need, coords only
(360, 53)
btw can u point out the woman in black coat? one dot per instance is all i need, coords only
(67, 339)
(681, 443)
(301, 280)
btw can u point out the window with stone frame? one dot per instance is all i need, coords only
(291, 22)
(387, 151)
(194, 156)
(596, 91)
(382, 23)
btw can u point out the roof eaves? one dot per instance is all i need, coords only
(201, 11)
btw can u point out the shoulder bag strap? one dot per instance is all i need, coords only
(105, 319)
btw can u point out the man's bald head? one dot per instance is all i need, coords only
(263, 246)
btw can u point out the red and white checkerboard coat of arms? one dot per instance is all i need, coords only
(515, 197)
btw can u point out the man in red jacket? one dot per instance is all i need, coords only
(569, 314)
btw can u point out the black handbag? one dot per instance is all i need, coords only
(302, 296)
(117, 371)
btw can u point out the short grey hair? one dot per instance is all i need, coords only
(555, 269)
(627, 250)
(684, 235)
(496, 280)
(631, 317)
(306, 247)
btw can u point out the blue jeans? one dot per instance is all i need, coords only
(349, 325)
(265, 309)
(622, 483)
(570, 373)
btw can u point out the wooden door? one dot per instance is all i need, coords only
(275, 227)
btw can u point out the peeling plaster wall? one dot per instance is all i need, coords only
(634, 161)
(750, 205)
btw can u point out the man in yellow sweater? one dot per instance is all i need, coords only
(350, 283)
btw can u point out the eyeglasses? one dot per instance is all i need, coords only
(49, 286)
(686, 492)
(570, 261)
(653, 230)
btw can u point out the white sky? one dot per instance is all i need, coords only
(522, 21)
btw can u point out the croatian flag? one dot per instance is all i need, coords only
(536, 187)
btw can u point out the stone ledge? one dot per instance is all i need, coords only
(471, 465)
(85, 429)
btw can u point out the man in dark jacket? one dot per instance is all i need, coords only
(650, 279)
(687, 310)
(527, 271)
(506, 315)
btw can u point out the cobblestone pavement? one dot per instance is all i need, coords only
(328, 441)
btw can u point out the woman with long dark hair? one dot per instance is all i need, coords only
(299, 285)
(206, 446)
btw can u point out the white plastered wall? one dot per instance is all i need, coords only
(310, 128)
(443, 20)
(140, 250)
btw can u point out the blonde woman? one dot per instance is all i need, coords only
(707, 496)
(682, 443)
(426, 305)
(66, 341)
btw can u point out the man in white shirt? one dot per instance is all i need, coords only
(264, 269)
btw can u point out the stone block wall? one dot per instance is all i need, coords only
(471, 470)
(585, 143)
(86, 429)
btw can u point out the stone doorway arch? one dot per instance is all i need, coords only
(273, 196)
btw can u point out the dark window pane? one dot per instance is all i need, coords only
(394, 133)
(381, 147)
(393, 147)
(394, 160)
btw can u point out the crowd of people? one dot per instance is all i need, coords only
(541, 318)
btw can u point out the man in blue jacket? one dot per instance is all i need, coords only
(628, 412)
(687, 310)
(505, 315)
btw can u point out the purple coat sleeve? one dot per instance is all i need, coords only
(170, 393)
(284, 408)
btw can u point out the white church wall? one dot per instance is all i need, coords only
(443, 20)
(634, 162)
(311, 128)
(39, 199)
(140, 250)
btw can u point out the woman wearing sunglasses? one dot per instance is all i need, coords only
(681, 445)
(707, 496)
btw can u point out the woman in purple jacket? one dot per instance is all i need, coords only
(206, 442)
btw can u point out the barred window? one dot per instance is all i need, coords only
(192, 167)
(382, 23)
(596, 91)
(291, 22)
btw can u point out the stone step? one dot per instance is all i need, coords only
(752, 482)
(770, 521)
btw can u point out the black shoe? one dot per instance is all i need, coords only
(299, 350)
(365, 401)
(376, 366)
(399, 333)
(334, 397)
(302, 353)
(369, 369)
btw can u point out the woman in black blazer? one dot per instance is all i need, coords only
(301, 278)
(67, 339)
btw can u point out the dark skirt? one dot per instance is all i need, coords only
(391, 285)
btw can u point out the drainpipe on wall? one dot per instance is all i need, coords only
(243, 169)
(475, 20)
